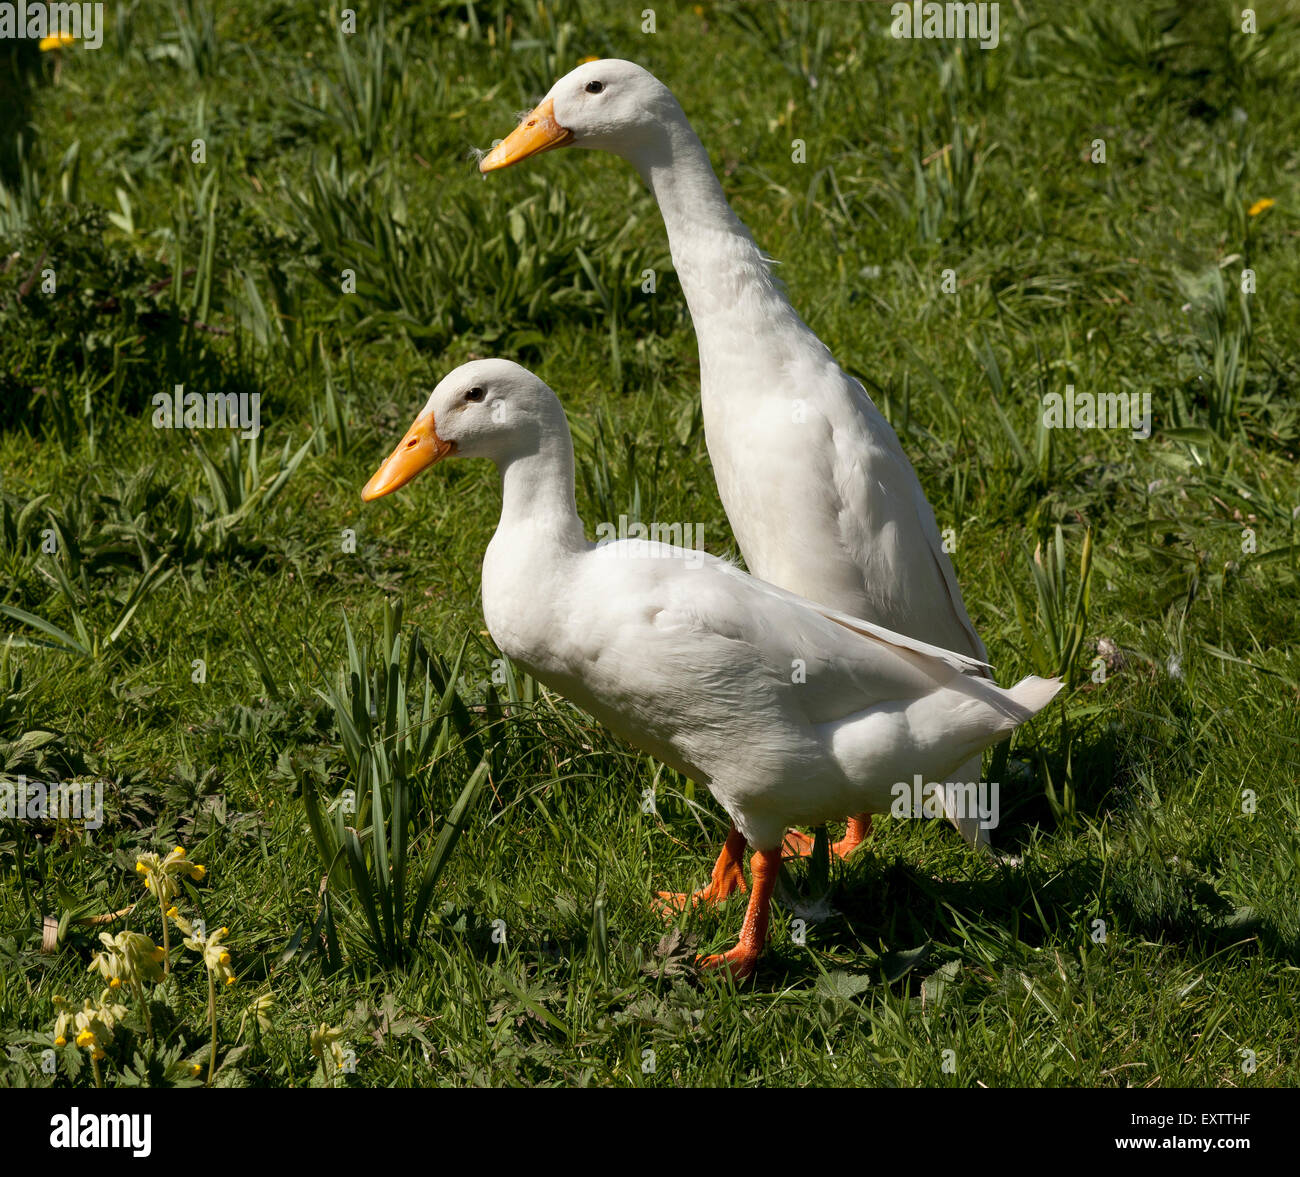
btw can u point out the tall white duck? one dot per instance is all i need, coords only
(821, 498)
(689, 658)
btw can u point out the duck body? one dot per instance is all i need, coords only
(783, 714)
(788, 712)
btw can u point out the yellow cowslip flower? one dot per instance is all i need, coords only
(57, 41)
(326, 1039)
(62, 1021)
(585, 60)
(128, 956)
(259, 1009)
(160, 874)
(95, 1022)
(215, 954)
(1260, 206)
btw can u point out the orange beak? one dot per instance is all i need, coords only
(419, 449)
(537, 133)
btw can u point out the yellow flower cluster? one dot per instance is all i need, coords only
(215, 954)
(326, 1038)
(260, 1010)
(161, 875)
(93, 1022)
(128, 957)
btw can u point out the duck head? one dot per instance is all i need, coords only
(484, 409)
(610, 105)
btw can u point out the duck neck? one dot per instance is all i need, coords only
(537, 496)
(725, 277)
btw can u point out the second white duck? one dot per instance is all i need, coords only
(821, 497)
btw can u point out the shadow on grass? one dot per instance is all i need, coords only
(896, 909)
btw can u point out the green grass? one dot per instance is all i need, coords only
(1162, 801)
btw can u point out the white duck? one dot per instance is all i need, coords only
(819, 493)
(691, 659)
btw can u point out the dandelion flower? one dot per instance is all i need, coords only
(1260, 206)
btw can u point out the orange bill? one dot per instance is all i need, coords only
(537, 133)
(419, 449)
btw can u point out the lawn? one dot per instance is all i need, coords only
(431, 870)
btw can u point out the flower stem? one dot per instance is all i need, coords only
(212, 1017)
(94, 1063)
(167, 957)
(144, 1009)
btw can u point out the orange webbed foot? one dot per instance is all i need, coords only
(672, 902)
(800, 845)
(728, 877)
(737, 961)
(797, 844)
(741, 960)
(859, 830)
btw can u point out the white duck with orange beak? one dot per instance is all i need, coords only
(818, 491)
(692, 660)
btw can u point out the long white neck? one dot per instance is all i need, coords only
(729, 286)
(527, 569)
(537, 497)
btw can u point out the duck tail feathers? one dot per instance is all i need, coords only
(1031, 694)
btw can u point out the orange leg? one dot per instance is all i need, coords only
(728, 876)
(799, 845)
(765, 865)
(859, 829)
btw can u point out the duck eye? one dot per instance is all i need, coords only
(595, 87)
(474, 394)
